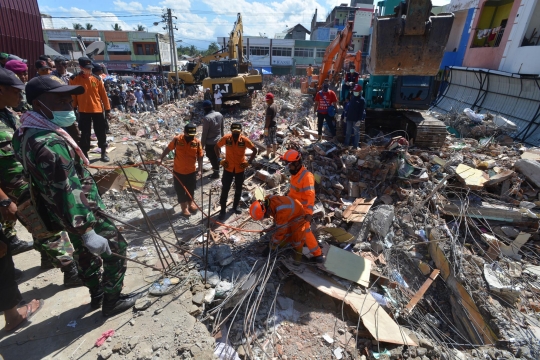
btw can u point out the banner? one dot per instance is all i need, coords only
(118, 47)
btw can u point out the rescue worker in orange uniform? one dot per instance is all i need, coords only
(234, 165)
(302, 186)
(290, 224)
(188, 150)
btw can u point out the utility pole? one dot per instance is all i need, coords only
(174, 52)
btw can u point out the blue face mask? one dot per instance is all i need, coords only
(62, 118)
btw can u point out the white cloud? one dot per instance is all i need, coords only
(133, 6)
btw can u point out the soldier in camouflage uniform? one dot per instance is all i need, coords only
(55, 251)
(68, 193)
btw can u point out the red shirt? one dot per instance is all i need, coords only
(325, 99)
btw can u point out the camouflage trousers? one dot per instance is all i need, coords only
(12, 181)
(89, 265)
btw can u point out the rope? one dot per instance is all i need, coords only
(187, 192)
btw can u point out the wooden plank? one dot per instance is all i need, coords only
(420, 294)
(357, 211)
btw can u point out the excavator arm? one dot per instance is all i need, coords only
(236, 48)
(334, 55)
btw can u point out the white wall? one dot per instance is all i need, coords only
(516, 58)
(457, 29)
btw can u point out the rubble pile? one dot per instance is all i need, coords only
(441, 243)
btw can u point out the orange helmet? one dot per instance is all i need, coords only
(291, 156)
(257, 210)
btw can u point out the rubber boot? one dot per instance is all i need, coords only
(185, 211)
(115, 303)
(104, 156)
(17, 274)
(215, 174)
(46, 262)
(18, 246)
(222, 213)
(96, 296)
(71, 275)
(237, 209)
(192, 207)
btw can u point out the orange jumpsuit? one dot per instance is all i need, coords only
(303, 189)
(291, 227)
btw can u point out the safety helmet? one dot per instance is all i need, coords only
(291, 156)
(257, 210)
(357, 87)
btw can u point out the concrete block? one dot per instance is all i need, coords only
(136, 217)
(531, 170)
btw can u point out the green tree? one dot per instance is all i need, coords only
(89, 26)
(64, 28)
(78, 26)
(212, 48)
(139, 28)
(116, 27)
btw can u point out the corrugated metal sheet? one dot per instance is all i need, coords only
(512, 96)
(20, 30)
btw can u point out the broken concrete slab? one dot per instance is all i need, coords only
(136, 217)
(500, 284)
(485, 210)
(497, 247)
(499, 178)
(374, 317)
(382, 220)
(474, 179)
(531, 170)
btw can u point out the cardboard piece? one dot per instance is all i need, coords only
(379, 324)
(109, 181)
(348, 265)
(339, 234)
(358, 210)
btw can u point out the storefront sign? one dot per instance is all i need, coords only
(117, 66)
(282, 62)
(118, 47)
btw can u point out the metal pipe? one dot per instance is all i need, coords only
(207, 236)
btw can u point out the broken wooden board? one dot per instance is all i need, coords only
(466, 315)
(500, 177)
(339, 234)
(420, 293)
(356, 212)
(474, 179)
(379, 324)
(348, 265)
(497, 247)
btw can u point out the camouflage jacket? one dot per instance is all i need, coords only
(8, 123)
(65, 187)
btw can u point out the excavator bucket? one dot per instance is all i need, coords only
(409, 45)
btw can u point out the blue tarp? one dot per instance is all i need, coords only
(266, 71)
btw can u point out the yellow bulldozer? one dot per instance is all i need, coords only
(231, 76)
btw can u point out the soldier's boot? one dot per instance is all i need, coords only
(71, 275)
(104, 156)
(185, 211)
(192, 207)
(46, 262)
(18, 246)
(116, 303)
(96, 296)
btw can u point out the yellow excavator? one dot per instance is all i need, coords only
(231, 76)
(196, 71)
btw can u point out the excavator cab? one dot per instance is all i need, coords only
(411, 41)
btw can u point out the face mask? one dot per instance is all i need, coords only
(62, 118)
(325, 87)
(236, 136)
(295, 170)
(189, 138)
(356, 93)
(352, 70)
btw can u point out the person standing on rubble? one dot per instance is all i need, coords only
(207, 94)
(217, 100)
(325, 101)
(90, 106)
(309, 73)
(270, 126)
(55, 165)
(213, 130)
(302, 186)
(147, 93)
(234, 165)
(139, 95)
(354, 117)
(290, 225)
(188, 152)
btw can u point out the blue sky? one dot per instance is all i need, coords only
(199, 22)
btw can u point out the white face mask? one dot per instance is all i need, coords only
(352, 70)
(356, 93)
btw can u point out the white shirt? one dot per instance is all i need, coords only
(217, 97)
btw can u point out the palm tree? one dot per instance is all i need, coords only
(139, 28)
(78, 26)
(116, 27)
(89, 26)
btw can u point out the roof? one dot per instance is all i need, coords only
(294, 27)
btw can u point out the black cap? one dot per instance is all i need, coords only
(97, 67)
(236, 126)
(44, 57)
(9, 78)
(42, 64)
(85, 62)
(60, 59)
(49, 84)
(190, 129)
(207, 104)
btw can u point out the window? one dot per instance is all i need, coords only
(259, 50)
(145, 48)
(303, 52)
(365, 48)
(491, 24)
(65, 48)
(532, 36)
(320, 53)
(281, 51)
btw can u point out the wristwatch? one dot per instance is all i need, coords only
(5, 202)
